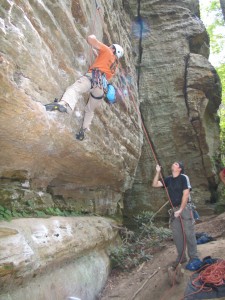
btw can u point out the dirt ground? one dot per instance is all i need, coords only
(150, 281)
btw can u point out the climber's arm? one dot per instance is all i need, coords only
(92, 40)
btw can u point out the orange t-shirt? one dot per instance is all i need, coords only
(106, 61)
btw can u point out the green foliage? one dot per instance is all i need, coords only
(143, 218)
(8, 267)
(5, 214)
(16, 214)
(139, 246)
(216, 27)
(30, 203)
(8, 215)
(220, 208)
(220, 205)
(40, 214)
(213, 18)
(214, 6)
(221, 112)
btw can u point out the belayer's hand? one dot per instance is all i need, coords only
(177, 213)
(158, 168)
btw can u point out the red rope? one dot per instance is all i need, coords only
(147, 137)
(156, 160)
(146, 134)
(213, 274)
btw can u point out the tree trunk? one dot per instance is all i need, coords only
(222, 4)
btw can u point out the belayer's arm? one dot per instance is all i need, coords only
(156, 182)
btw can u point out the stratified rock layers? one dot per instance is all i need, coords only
(44, 50)
(54, 258)
(180, 93)
(165, 73)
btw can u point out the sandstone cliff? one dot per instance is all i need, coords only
(179, 93)
(164, 73)
(54, 258)
(44, 50)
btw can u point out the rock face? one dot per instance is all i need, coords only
(164, 73)
(54, 258)
(44, 50)
(180, 93)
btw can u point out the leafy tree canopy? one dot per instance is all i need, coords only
(212, 17)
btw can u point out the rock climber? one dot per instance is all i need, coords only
(94, 81)
(222, 175)
(181, 216)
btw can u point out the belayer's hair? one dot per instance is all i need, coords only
(181, 165)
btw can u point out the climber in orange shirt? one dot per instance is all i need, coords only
(94, 81)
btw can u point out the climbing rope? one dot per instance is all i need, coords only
(148, 140)
(209, 278)
(147, 137)
(213, 274)
(156, 161)
(167, 193)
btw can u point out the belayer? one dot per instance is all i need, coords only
(181, 216)
(94, 81)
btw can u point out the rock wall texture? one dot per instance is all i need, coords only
(180, 93)
(54, 258)
(43, 51)
(165, 73)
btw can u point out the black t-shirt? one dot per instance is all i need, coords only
(176, 186)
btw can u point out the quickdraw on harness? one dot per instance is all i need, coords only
(98, 79)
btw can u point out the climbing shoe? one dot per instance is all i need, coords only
(55, 106)
(80, 135)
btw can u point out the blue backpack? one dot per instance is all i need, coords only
(203, 238)
(111, 94)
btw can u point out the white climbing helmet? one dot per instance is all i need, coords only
(119, 50)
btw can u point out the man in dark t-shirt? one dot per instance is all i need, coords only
(176, 186)
(181, 220)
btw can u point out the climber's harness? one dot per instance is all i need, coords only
(97, 79)
(172, 211)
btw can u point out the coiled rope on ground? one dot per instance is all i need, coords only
(211, 275)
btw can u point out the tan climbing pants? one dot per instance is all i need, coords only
(81, 86)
